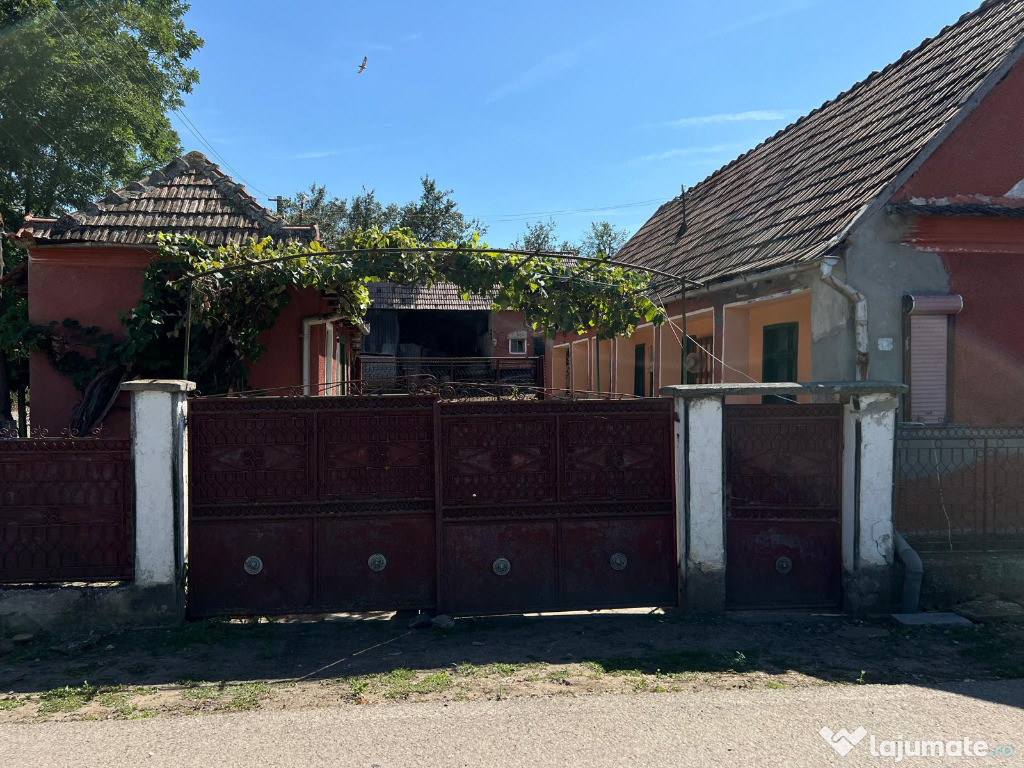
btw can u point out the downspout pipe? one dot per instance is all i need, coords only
(860, 312)
(913, 573)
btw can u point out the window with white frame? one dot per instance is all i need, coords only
(517, 343)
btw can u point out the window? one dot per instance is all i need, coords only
(517, 346)
(538, 346)
(928, 332)
(778, 357)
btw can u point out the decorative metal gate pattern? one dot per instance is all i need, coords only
(783, 517)
(348, 503)
(556, 505)
(65, 510)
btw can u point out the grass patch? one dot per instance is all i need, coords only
(774, 685)
(197, 690)
(67, 698)
(8, 704)
(675, 663)
(119, 703)
(247, 696)
(402, 683)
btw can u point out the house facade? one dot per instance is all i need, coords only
(879, 237)
(88, 266)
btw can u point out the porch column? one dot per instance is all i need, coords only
(700, 501)
(869, 430)
(159, 457)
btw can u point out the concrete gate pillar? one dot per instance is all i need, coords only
(160, 462)
(869, 434)
(700, 501)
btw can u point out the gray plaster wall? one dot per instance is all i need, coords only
(884, 270)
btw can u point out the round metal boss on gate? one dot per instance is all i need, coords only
(783, 565)
(252, 565)
(377, 562)
(501, 566)
(618, 562)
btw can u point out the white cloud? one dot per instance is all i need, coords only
(669, 154)
(750, 116)
(551, 65)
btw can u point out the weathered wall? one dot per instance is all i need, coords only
(878, 265)
(93, 285)
(505, 323)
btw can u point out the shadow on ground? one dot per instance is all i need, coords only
(364, 658)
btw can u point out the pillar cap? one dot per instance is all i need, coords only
(158, 385)
(854, 388)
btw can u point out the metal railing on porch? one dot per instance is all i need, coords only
(514, 371)
(960, 487)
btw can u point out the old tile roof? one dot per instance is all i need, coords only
(961, 205)
(189, 196)
(440, 296)
(791, 198)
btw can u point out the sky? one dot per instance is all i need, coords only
(578, 111)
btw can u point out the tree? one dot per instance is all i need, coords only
(433, 217)
(540, 236)
(436, 217)
(85, 87)
(603, 240)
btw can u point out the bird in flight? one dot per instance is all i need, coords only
(362, 67)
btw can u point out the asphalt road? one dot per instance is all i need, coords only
(736, 727)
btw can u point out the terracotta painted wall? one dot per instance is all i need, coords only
(281, 363)
(91, 285)
(988, 348)
(504, 323)
(985, 154)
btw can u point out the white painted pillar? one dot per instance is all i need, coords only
(705, 556)
(868, 541)
(159, 456)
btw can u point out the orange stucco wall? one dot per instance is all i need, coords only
(94, 286)
(280, 365)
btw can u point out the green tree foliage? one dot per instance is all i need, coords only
(541, 236)
(433, 217)
(85, 87)
(226, 324)
(603, 239)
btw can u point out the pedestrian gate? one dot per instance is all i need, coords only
(467, 507)
(783, 467)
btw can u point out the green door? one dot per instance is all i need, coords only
(640, 370)
(779, 356)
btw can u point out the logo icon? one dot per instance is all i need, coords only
(842, 741)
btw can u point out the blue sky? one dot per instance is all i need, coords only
(525, 108)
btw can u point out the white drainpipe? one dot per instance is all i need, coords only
(860, 313)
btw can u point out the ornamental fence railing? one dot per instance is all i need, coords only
(65, 510)
(960, 487)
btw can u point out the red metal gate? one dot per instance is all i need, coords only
(65, 510)
(783, 518)
(349, 503)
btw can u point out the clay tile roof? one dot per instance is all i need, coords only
(791, 198)
(440, 296)
(961, 205)
(189, 196)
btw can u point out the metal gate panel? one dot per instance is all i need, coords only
(783, 519)
(293, 497)
(474, 507)
(499, 567)
(613, 563)
(562, 486)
